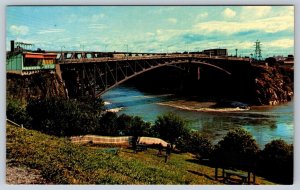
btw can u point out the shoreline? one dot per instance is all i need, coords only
(200, 106)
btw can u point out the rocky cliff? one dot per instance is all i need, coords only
(273, 85)
(39, 85)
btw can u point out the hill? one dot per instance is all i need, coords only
(61, 162)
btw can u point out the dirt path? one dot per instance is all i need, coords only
(23, 175)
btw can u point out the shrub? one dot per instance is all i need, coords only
(108, 124)
(276, 161)
(16, 111)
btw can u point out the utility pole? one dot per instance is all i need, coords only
(61, 53)
(236, 52)
(127, 51)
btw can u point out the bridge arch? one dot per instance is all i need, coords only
(173, 63)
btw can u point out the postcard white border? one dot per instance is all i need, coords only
(4, 3)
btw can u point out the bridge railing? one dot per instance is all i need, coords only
(108, 59)
(146, 57)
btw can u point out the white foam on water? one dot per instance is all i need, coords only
(115, 110)
(107, 103)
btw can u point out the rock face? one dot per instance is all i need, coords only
(39, 85)
(273, 85)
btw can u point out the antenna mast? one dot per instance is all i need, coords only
(257, 50)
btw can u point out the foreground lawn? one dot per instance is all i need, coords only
(61, 162)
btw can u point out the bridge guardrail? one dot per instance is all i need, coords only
(131, 58)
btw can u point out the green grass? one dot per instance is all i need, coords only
(61, 162)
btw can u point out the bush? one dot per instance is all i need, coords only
(236, 149)
(16, 111)
(139, 127)
(133, 126)
(62, 117)
(200, 146)
(171, 127)
(276, 161)
(108, 124)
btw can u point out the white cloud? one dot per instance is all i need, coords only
(51, 30)
(201, 16)
(96, 17)
(229, 13)
(281, 43)
(73, 18)
(288, 10)
(163, 35)
(254, 12)
(150, 34)
(269, 25)
(172, 20)
(97, 26)
(161, 9)
(19, 30)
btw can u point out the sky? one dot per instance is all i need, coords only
(153, 28)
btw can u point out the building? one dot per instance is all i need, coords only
(215, 52)
(289, 60)
(20, 61)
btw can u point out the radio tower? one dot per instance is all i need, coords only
(257, 50)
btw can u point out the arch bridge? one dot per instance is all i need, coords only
(94, 75)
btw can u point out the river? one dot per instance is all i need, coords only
(265, 123)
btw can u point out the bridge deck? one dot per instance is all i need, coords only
(148, 57)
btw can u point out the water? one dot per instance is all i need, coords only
(265, 123)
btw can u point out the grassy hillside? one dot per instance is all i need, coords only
(61, 162)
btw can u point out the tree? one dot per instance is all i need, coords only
(276, 161)
(139, 127)
(124, 124)
(271, 61)
(238, 148)
(199, 145)
(133, 126)
(170, 127)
